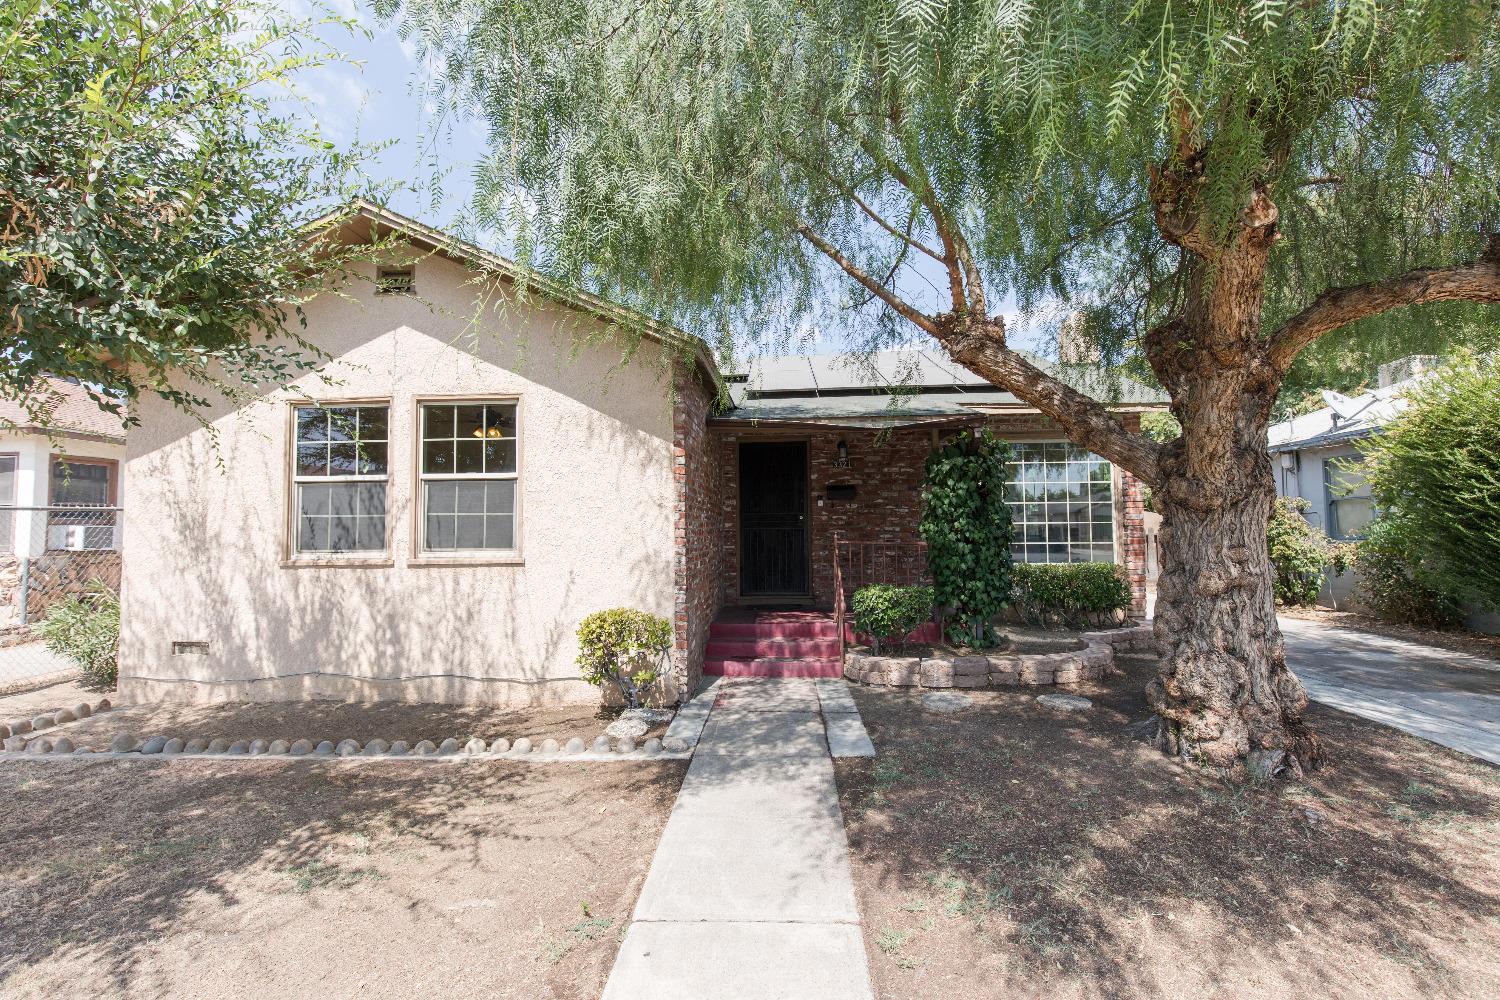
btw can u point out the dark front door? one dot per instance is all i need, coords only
(773, 519)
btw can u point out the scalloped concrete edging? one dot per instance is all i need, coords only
(33, 740)
(1096, 658)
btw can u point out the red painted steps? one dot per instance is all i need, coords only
(748, 643)
(770, 666)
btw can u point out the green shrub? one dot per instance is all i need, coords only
(1078, 593)
(86, 629)
(625, 648)
(885, 612)
(1299, 553)
(1394, 582)
(1436, 469)
(966, 524)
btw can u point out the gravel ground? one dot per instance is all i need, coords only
(144, 879)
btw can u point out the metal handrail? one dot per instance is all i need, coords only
(903, 564)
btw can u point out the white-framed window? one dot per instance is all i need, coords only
(1062, 504)
(1350, 506)
(469, 476)
(340, 471)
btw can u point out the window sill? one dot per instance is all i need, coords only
(385, 562)
(514, 559)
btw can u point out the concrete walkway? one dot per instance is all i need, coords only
(750, 895)
(1403, 684)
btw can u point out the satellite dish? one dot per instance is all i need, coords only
(1346, 408)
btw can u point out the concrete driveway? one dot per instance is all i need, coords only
(1448, 698)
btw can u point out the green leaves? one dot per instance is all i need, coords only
(1299, 553)
(966, 524)
(1436, 473)
(885, 612)
(153, 208)
(1078, 593)
(623, 647)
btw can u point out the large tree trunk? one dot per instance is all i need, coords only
(1224, 696)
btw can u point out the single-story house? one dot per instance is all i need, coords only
(483, 460)
(59, 486)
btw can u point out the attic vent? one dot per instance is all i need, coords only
(189, 648)
(395, 281)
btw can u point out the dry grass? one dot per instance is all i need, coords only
(205, 879)
(1010, 851)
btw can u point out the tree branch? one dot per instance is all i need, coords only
(905, 309)
(981, 348)
(1478, 281)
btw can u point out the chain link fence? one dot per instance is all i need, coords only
(48, 554)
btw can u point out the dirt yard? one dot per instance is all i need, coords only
(205, 879)
(1011, 851)
(321, 720)
(1458, 641)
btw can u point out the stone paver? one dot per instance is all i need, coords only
(1402, 684)
(750, 895)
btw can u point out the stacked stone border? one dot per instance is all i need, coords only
(21, 738)
(1092, 661)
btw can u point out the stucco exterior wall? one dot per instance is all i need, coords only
(207, 554)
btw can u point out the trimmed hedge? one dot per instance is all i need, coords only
(885, 612)
(1078, 593)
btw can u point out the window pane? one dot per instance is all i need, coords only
(312, 460)
(470, 497)
(341, 534)
(1076, 520)
(440, 531)
(371, 498)
(342, 423)
(469, 422)
(470, 457)
(312, 500)
(437, 457)
(313, 536)
(442, 498)
(501, 496)
(369, 534)
(470, 531)
(374, 423)
(438, 421)
(500, 421)
(499, 531)
(312, 423)
(372, 458)
(342, 458)
(78, 485)
(500, 456)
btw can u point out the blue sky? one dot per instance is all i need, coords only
(376, 97)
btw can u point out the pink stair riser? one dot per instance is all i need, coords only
(773, 667)
(748, 648)
(773, 630)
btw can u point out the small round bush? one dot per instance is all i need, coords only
(888, 613)
(85, 628)
(624, 648)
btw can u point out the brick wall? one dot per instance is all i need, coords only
(885, 470)
(1131, 523)
(698, 555)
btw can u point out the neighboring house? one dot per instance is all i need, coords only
(59, 485)
(1316, 457)
(475, 469)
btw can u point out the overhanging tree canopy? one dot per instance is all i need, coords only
(154, 197)
(1219, 184)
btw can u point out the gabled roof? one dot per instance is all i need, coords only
(66, 409)
(361, 217)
